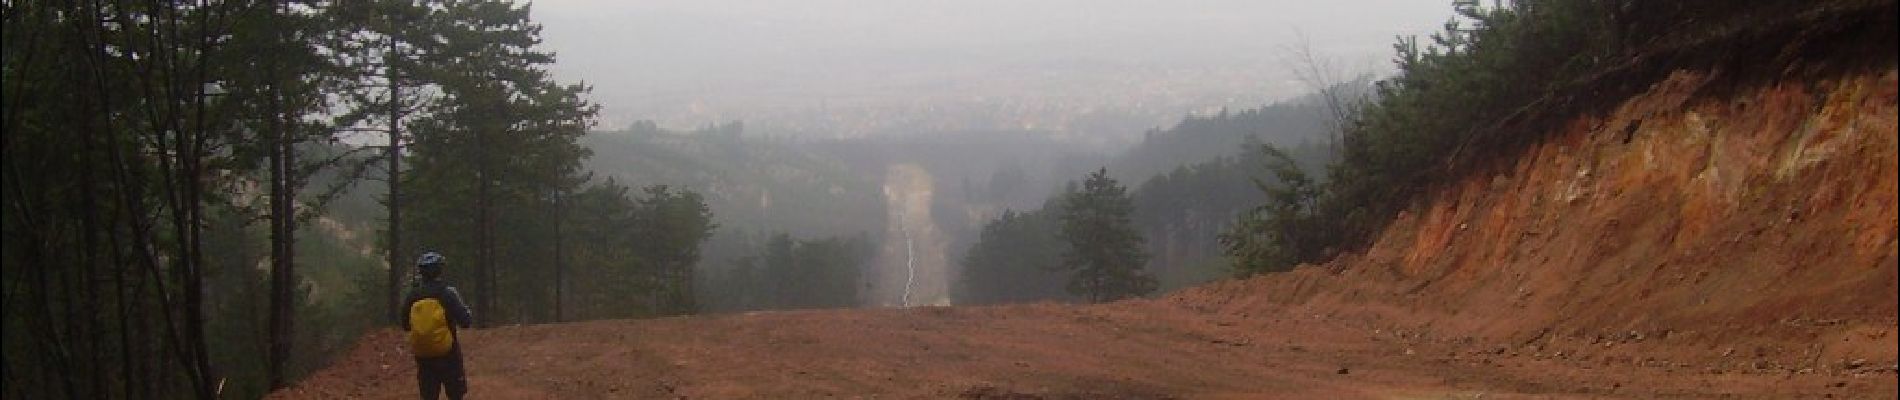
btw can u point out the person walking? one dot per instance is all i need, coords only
(434, 313)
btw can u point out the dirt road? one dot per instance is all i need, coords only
(1137, 350)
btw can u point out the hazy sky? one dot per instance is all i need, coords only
(841, 65)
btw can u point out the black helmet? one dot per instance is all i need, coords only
(430, 264)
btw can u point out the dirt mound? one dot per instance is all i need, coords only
(1753, 234)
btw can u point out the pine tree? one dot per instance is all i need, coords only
(1105, 251)
(397, 35)
(501, 137)
(1013, 261)
(673, 223)
(1283, 231)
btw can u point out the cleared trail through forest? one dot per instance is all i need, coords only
(910, 264)
(912, 267)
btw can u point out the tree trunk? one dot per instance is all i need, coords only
(558, 281)
(484, 251)
(394, 292)
(280, 239)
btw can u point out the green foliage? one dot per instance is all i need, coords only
(1198, 139)
(118, 158)
(788, 273)
(141, 142)
(1492, 81)
(1105, 253)
(1284, 230)
(754, 183)
(1189, 213)
(1194, 176)
(1014, 260)
(337, 295)
(333, 294)
(1446, 94)
(498, 144)
(672, 225)
(1180, 213)
(604, 270)
(240, 333)
(631, 256)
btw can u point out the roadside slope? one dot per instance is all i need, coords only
(1752, 233)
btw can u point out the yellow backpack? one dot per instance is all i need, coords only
(429, 334)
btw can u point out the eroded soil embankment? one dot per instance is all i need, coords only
(1753, 234)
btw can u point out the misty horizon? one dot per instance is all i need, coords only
(850, 69)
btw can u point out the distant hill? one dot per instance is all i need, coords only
(1202, 138)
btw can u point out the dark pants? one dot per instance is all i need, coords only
(435, 374)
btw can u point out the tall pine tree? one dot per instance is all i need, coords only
(1105, 251)
(496, 145)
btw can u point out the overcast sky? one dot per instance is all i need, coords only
(696, 62)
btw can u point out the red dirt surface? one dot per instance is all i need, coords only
(1679, 247)
(1133, 350)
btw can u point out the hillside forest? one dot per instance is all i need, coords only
(215, 199)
